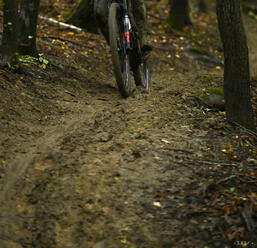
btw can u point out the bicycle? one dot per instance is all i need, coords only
(126, 51)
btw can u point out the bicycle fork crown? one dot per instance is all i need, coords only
(126, 34)
(146, 56)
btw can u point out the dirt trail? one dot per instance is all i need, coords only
(95, 175)
(84, 168)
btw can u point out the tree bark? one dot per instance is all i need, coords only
(236, 70)
(28, 15)
(10, 31)
(82, 15)
(20, 28)
(179, 14)
(101, 14)
(202, 6)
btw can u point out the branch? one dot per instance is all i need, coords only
(60, 24)
(253, 134)
(247, 219)
(156, 17)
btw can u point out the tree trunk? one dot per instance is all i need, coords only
(179, 14)
(10, 32)
(202, 6)
(28, 16)
(82, 15)
(20, 30)
(101, 14)
(236, 71)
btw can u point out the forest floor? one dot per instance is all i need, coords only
(81, 167)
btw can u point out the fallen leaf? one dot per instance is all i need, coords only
(157, 204)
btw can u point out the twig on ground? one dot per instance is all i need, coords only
(240, 177)
(156, 17)
(212, 162)
(248, 131)
(200, 102)
(246, 218)
(69, 93)
(60, 24)
(208, 186)
(249, 144)
(226, 179)
(209, 59)
(60, 38)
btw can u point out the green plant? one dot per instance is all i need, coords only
(42, 60)
(33, 60)
(28, 59)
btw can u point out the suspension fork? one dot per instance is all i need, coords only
(127, 26)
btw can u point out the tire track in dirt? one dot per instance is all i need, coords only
(19, 166)
(113, 145)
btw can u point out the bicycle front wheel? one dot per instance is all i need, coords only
(120, 58)
(142, 75)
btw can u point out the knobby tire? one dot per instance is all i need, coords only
(120, 59)
(141, 73)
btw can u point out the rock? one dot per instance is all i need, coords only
(217, 101)
(103, 137)
(214, 98)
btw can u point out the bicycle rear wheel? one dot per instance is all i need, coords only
(120, 58)
(146, 76)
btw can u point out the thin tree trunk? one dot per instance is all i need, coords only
(10, 31)
(82, 15)
(202, 6)
(179, 14)
(101, 14)
(28, 16)
(236, 71)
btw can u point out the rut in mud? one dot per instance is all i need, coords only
(82, 167)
